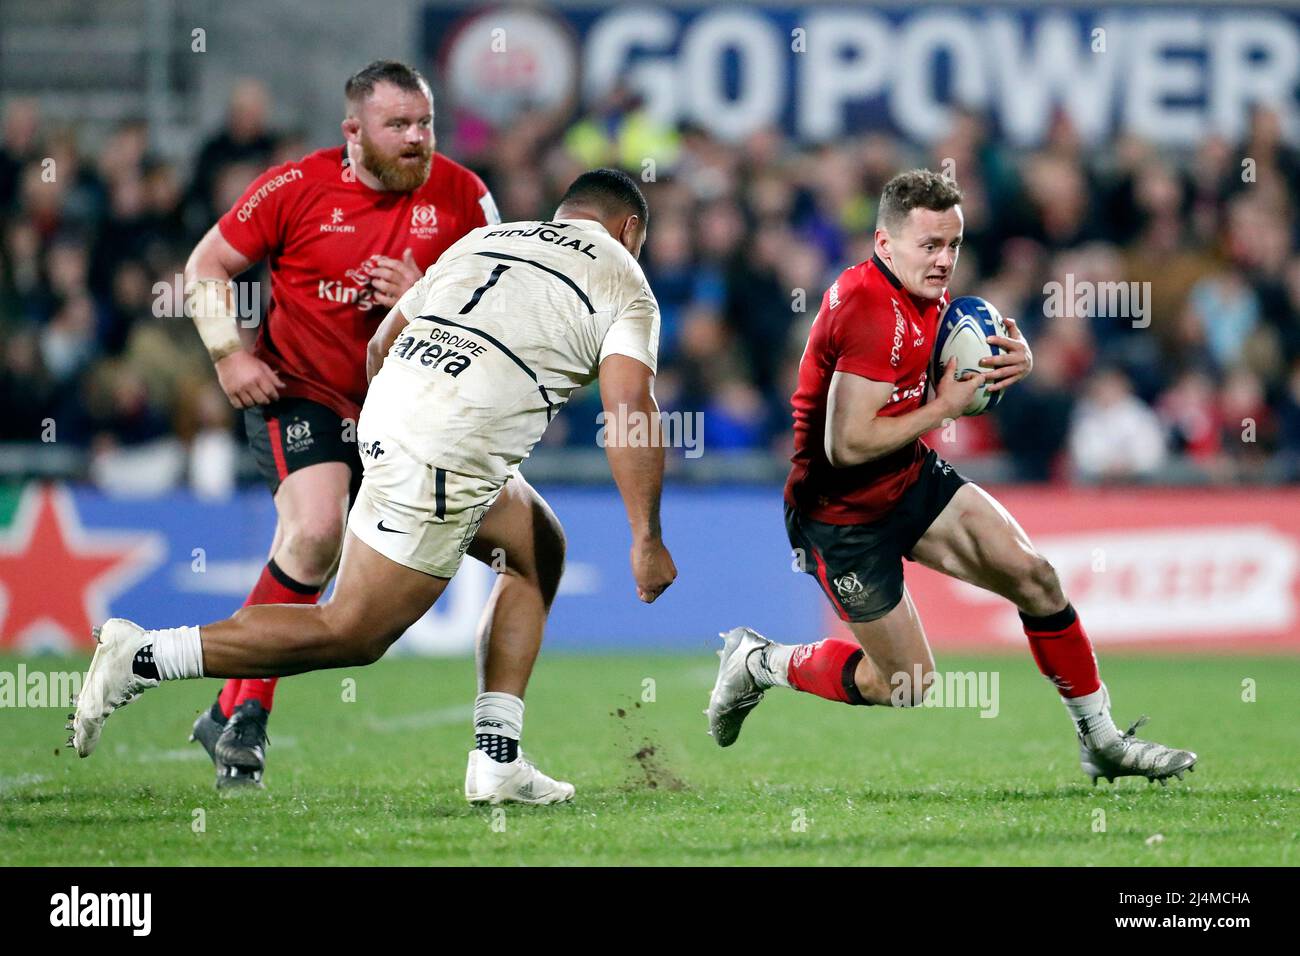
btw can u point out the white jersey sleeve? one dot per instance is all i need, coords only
(635, 331)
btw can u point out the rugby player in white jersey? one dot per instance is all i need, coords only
(468, 369)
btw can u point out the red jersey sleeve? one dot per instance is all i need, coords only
(481, 207)
(862, 331)
(255, 224)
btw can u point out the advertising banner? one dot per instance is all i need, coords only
(1172, 75)
(1188, 570)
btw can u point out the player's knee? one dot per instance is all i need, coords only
(314, 547)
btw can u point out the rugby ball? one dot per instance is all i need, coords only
(963, 328)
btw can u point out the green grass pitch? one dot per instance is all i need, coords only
(378, 780)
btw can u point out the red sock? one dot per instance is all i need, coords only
(226, 699)
(1063, 652)
(826, 669)
(272, 587)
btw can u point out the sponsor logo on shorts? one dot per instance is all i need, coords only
(381, 527)
(298, 437)
(372, 449)
(851, 590)
(424, 221)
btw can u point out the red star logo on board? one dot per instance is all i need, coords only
(57, 578)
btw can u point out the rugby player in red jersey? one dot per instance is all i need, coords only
(865, 492)
(347, 230)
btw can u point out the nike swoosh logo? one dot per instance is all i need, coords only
(391, 530)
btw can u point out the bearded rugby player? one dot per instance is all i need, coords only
(347, 230)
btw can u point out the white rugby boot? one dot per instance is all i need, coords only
(489, 781)
(735, 692)
(1130, 756)
(110, 682)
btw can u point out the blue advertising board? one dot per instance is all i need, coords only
(1171, 74)
(71, 557)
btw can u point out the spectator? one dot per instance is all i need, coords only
(245, 138)
(1114, 435)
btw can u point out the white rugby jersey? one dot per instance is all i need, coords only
(504, 326)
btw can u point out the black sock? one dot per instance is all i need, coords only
(143, 665)
(501, 749)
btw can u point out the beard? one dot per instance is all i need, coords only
(393, 171)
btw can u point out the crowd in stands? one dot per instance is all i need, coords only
(1160, 291)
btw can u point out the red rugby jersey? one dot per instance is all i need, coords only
(321, 228)
(868, 325)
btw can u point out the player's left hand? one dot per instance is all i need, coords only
(652, 569)
(390, 278)
(1015, 362)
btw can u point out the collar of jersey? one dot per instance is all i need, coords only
(886, 271)
(920, 302)
(583, 224)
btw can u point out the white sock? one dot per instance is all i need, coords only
(1091, 715)
(770, 665)
(177, 652)
(500, 714)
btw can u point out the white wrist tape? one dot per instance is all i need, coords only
(209, 303)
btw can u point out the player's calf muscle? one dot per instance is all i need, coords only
(549, 546)
(894, 682)
(1041, 588)
(1029, 581)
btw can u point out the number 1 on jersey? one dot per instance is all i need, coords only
(478, 293)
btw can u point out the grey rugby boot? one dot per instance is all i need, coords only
(240, 751)
(207, 731)
(735, 692)
(1130, 756)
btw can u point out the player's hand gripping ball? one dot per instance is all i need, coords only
(964, 332)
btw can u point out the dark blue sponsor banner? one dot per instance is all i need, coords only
(71, 557)
(1169, 74)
